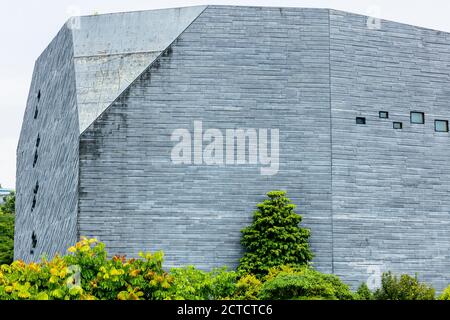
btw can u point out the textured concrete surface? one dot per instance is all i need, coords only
(111, 50)
(390, 187)
(373, 196)
(232, 68)
(53, 219)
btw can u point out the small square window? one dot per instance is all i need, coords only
(441, 125)
(398, 125)
(384, 114)
(360, 120)
(417, 117)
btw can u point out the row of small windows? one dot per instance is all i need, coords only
(36, 187)
(415, 118)
(33, 205)
(35, 191)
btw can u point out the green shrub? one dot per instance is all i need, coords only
(364, 293)
(247, 288)
(223, 283)
(193, 284)
(9, 205)
(7, 211)
(6, 238)
(86, 274)
(445, 295)
(403, 288)
(304, 283)
(275, 237)
(189, 283)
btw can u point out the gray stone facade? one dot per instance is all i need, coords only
(374, 197)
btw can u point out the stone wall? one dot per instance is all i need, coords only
(53, 218)
(234, 67)
(391, 208)
(375, 198)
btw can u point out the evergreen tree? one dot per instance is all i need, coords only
(6, 238)
(7, 211)
(275, 237)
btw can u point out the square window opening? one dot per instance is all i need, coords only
(417, 117)
(441, 125)
(398, 125)
(383, 114)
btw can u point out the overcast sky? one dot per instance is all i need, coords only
(26, 28)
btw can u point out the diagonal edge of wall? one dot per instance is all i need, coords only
(112, 50)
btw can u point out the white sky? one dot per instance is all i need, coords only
(26, 28)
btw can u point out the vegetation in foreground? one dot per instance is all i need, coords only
(7, 211)
(274, 266)
(88, 274)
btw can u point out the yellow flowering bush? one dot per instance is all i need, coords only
(86, 273)
(445, 295)
(248, 288)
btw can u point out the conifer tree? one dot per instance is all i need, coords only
(275, 237)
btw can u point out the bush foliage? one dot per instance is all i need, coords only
(445, 295)
(275, 237)
(9, 205)
(7, 211)
(86, 274)
(364, 293)
(6, 238)
(192, 284)
(404, 287)
(274, 266)
(303, 283)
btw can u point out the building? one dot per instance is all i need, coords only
(360, 107)
(4, 193)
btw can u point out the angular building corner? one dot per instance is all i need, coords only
(95, 147)
(83, 70)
